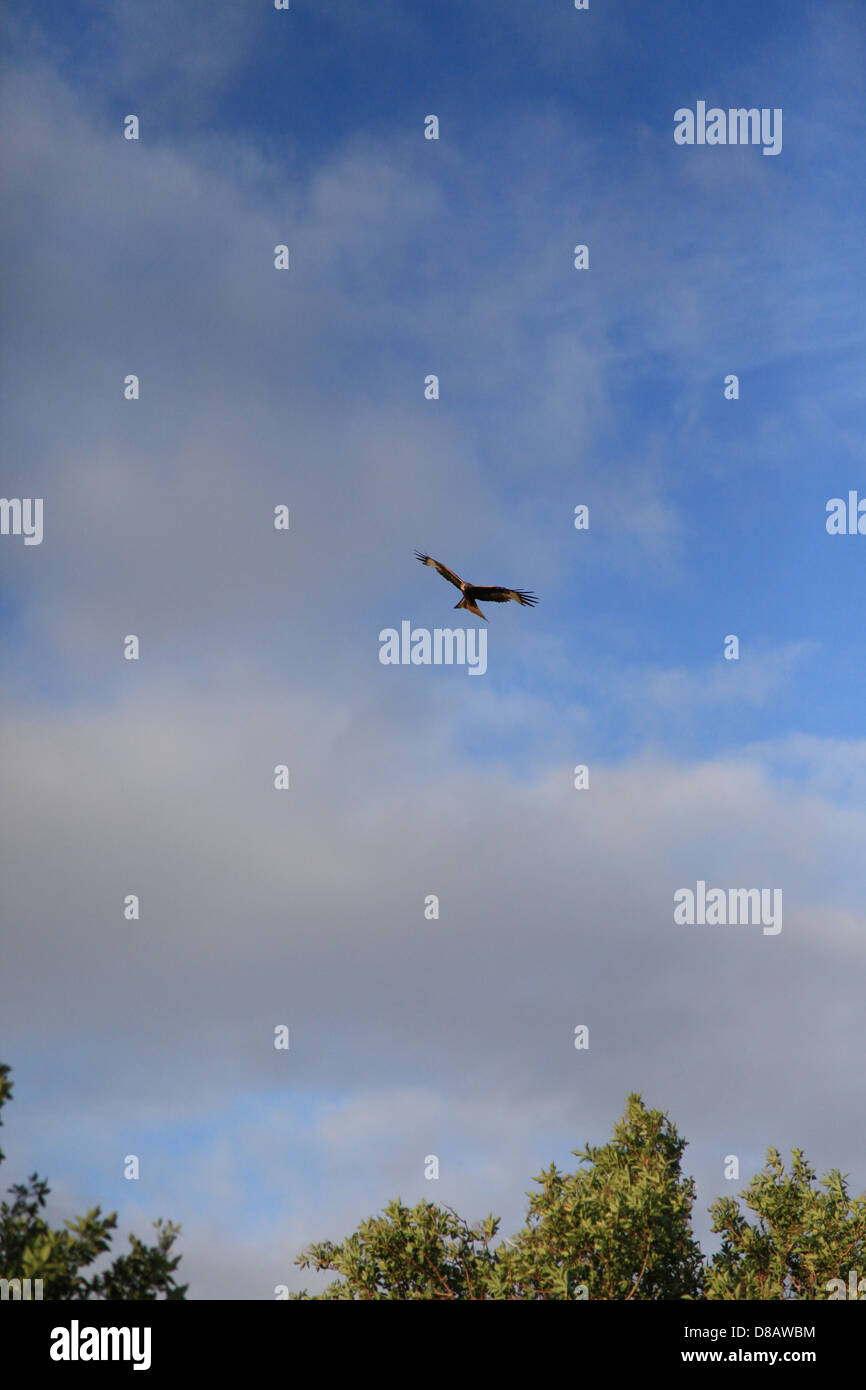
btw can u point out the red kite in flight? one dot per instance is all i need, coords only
(472, 592)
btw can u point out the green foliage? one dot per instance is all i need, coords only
(803, 1236)
(31, 1249)
(618, 1228)
(420, 1252)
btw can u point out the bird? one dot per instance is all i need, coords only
(473, 592)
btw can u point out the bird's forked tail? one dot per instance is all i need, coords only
(471, 607)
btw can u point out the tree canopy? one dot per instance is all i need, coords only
(619, 1227)
(31, 1249)
(803, 1237)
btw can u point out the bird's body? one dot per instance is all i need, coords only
(490, 593)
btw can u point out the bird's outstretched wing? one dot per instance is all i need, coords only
(445, 572)
(497, 595)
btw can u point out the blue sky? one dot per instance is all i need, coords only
(558, 387)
